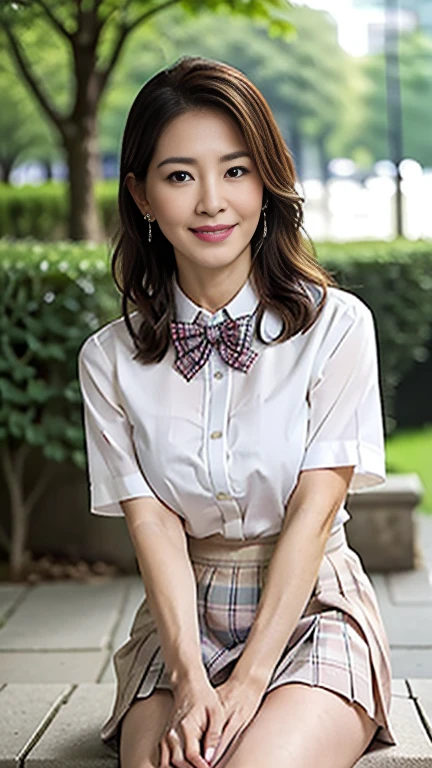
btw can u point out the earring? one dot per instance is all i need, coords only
(265, 220)
(148, 218)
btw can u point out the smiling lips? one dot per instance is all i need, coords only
(215, 228)
(214, 235)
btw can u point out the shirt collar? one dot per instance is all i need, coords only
(243, 303)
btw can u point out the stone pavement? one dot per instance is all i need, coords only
(57, 681)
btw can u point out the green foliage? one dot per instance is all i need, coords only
(303, 75)
(292, 54)
(24, 133)
(40, 212)
(53, 297)
(410, 450)
(271, 14)
(395, 280)
(365, 125)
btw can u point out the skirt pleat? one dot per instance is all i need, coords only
(339, 642)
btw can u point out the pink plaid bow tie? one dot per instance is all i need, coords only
(193, 343)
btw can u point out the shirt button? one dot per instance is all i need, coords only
(215, 434)
(221, 496)
(218, 374)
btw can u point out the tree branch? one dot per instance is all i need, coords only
(20, 460)
(124, 30)
(53, 19)
(30, 79)
(148, 14)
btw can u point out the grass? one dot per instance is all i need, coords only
(410, 450)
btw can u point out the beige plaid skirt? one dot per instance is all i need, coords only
(339, 642)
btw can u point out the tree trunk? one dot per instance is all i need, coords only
(6, 166)
(13, 463)
(83, 161)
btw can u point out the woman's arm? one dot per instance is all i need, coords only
(160, 545)
(293, 570)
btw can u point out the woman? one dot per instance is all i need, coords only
(226, 418)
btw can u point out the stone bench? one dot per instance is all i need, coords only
(56, 725)
(382, 527)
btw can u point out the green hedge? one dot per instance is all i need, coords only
(54, 295)
(395, 280)
(41, 211)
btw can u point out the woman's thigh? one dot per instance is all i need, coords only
(142, 729)
(303, 726)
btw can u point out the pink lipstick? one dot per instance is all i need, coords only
(213, 237)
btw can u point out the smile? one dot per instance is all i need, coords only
(215, 236)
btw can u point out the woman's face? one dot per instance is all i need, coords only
(200, 189)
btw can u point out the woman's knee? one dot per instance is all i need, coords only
(142, 728)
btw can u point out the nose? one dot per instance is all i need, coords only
(211, 198)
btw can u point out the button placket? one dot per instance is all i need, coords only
(219, 395)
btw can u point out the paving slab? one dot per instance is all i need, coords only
(422, 691)
(10, 594)
(72, 739)
(379, 583)
(52, 666)
(134, 597)
(410, 587)
(64, 615)
(407, 624)
(424, 528)
(24, 711)
(411, 662)
(399, 687)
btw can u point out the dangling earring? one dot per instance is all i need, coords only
(148, 218)
(265, 220)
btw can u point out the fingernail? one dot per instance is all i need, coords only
(209, 753)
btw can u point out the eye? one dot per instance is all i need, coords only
(237, 168)
(234, 168)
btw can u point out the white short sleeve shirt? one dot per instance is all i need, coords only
(225, 449)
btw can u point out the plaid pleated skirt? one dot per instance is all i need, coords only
(339, 642)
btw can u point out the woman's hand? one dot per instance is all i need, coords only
(197, 718)
(240, 701)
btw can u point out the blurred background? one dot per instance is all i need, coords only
(350, 84)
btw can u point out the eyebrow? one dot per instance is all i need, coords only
(192, 160)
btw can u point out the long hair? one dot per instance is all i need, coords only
(282, 262)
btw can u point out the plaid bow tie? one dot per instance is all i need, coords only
(193, 343)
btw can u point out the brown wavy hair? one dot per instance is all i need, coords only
(281, 262)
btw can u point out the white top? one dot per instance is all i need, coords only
(225, 449)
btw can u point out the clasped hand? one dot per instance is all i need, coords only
(207, 716)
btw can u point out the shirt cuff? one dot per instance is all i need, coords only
(105, 496)
(368, 461)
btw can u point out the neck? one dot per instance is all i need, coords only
(216, 294)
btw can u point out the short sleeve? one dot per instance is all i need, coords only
(345, 425)
(114, 472)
